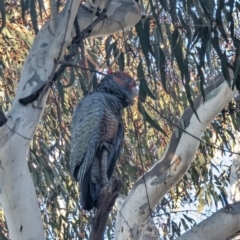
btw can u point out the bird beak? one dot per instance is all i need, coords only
(135, 91)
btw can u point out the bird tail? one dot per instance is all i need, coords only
(89, 194)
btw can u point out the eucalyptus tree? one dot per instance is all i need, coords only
(176, 50)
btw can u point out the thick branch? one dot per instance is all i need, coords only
(106, 201)
(221, 225)
(166, 173)
(235, 172)
(17, 192)
(235, 178)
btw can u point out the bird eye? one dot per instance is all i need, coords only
(131, 82)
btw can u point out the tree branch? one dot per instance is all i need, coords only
(235, 172)
(106, 202)
(17, 192)
(178, 157)
(221, 225)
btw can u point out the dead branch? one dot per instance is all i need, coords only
(106, 201)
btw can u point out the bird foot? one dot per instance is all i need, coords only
(105, 146)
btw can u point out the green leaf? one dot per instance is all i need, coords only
(164, 4)
(93, 79)
(236, 64)
(161, 62)
(173, 12)
(83, 84)
(188, 89)
(184, 224)
(205, 39)
(48, 178)
(202, 80)
(217, 180)
(156, 19)
(72, 79)
(143, 83)
(195, 175)
(23, 8)
(41, 7)
(198, 28)
(215, 42)
(3, 15)
(201, 205)
(148, 119)
(108, 49)
(205, 10)
(33, 14)
(188, 218)
(219, 22)
(177, 51)
(121, 63)
(61, 91)
(143, 34)
(225, 71)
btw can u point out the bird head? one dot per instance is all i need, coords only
(122, 85)
(125, 81)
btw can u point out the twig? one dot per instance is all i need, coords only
(67, 64)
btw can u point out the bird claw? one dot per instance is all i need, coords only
(105, 146)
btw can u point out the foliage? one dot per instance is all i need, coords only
(174, 52)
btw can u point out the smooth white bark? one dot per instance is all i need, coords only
(18, 197)
(219, 226)
(235, 172)
(235, 177)
(17, 192)
(166, 173)
(53, 16)
(121, 14)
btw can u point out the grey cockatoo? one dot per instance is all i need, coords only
(96, 126)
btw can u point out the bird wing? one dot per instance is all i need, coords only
(115, 150)
(85, 135)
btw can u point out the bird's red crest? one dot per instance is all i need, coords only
(120, 76)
